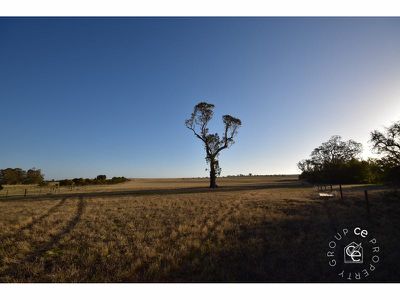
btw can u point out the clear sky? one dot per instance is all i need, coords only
(81, 97)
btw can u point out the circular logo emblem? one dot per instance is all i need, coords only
(353, 253)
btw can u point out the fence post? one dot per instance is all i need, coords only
(6, 193)
(25, 193)
(341, 192)
(367, 202)
(331, 188)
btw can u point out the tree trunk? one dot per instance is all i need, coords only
(213, 177)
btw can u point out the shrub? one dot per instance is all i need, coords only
(19, 176)
(115, 180)
(66, 182)
(101, 179)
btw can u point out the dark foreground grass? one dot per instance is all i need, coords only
(272, 234)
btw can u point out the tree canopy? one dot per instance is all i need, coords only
(387, 144)
(213, 143)
(335, 161)
(20, 176)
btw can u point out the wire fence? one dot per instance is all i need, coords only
(26, 191)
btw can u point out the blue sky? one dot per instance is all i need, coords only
(81, 97)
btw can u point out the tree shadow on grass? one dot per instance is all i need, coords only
(267, 252)
(19, 271)
(291, 250)
(41, 217)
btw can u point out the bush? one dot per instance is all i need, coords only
(78, 181)
(354, 171)
(66, 182)
(33, 176)
(101, 177)
(391, 175)
(19, 176)
(115, 180)
(43, 183)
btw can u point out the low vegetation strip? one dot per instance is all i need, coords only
(150, 186)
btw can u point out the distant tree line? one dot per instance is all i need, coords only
(337, 161)
(20, 176)
(259, 175)
(100, 179)
(12, 176)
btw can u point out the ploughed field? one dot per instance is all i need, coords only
(251, 229)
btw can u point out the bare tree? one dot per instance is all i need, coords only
(388, 143)
(213, 144)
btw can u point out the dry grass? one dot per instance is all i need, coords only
(257, 229)
(140, 184)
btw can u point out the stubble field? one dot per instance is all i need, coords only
(251, 229)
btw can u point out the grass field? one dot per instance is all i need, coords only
(251, 229)
(141, 184)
